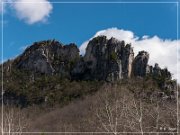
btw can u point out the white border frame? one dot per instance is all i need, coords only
(88, 2)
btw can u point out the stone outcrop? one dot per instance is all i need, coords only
(163, 77)
(48, 57)
(105, 59)
(140, 64)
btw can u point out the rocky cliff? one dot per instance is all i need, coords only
(105, 59)
(48, 57)
(49, 71)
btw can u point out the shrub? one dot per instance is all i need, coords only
(113, 56)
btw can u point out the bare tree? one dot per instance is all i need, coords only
(13, 121)
(120, 111)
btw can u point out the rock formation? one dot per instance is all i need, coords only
(105, 59)
(140, 64)
(48, 57)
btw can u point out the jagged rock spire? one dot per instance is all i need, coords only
(108, 59)
(140, 64)
(48, 57)
(105, 59)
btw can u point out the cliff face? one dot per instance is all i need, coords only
(41, 72)
(105, 59)
(140, 64)
(48, 57)
(108, 59)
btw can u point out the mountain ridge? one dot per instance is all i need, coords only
(114, 58)
(43, 69)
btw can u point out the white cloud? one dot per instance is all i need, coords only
(82, 48)
(32, 11)
(161, 51)
(120, 34)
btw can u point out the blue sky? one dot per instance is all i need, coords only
(79, 22)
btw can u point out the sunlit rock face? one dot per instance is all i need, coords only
(49, 57)
(105, 59)
(140, 64)
(108, 59)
